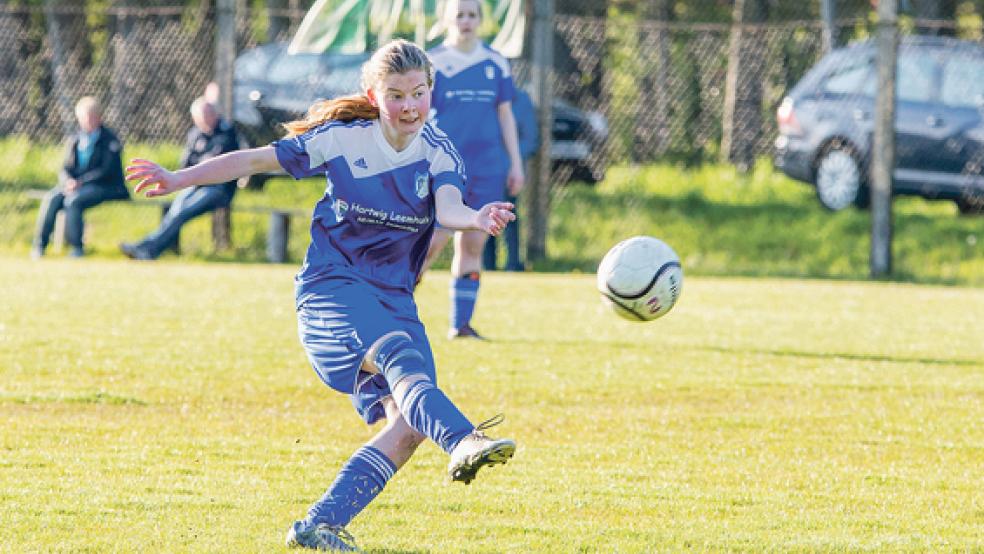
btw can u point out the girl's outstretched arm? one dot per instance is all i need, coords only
(453, 214)
(158, 181)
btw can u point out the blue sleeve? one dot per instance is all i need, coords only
(452, 178)
(526, 124)
(292, 153)
(446, 165)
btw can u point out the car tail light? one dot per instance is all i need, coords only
(786, 117)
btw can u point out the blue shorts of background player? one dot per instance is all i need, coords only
(479, 191)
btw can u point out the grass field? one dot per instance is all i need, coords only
(168, 407)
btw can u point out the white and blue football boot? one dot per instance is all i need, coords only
(320, 537)
(477, 450)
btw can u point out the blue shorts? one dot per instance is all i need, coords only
(339, 324)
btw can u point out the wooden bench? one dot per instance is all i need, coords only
(278, 232)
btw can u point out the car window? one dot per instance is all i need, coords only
(963, 82)
(294, 69)
(851, 78)
(915, 77)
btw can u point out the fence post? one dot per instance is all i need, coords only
(225, 53)
(225, 59)
(52, 14)
(221, 228)
(278, 236)
(538, 191)
(828, 16)
(883, 153)
(741, 120)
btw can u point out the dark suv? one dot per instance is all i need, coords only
(273, 86)
(827, 120)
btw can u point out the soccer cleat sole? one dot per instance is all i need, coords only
(499, 454)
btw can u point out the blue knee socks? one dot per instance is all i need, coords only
(424, 406)
(432, 414)
(464, 293)
(360, 480)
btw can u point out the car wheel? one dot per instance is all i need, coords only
(970, 206)
(838, 179)
(584, 174)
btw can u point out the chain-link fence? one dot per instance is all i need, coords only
(645, 82)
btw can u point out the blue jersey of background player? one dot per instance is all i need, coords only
(473, 89)
(389, 176)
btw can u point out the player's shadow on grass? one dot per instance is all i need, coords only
(842, 355)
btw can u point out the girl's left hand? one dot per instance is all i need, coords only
(153, 178)
(493, 217)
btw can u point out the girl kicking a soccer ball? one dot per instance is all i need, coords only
(390, 175)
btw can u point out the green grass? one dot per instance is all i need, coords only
(168, 407)
(720, 221)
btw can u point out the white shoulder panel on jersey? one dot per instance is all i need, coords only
(499, 60)
(450, 62)
(319, 148)
(361, 151)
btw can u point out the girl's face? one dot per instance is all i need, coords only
(467, 17)
(404, 102)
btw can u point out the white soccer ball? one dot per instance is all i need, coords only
(640, 278)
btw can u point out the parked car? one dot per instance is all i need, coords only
(273, 86)
(826, 123)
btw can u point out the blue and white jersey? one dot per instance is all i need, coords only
(376, 218)
(468, 89)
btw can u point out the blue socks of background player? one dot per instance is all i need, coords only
(360, 480)
(464, 293)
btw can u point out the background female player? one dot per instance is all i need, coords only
(473, 89)
(389, 174)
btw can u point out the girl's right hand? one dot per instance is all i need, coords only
(493, 217)
(152, 177)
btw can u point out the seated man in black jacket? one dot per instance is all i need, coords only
(92, 174)
(209, 137)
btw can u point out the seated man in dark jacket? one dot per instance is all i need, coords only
(92, 174)
(209, 137)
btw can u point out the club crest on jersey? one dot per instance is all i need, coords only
(420, 184)
(489, 72)
(341, 207)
